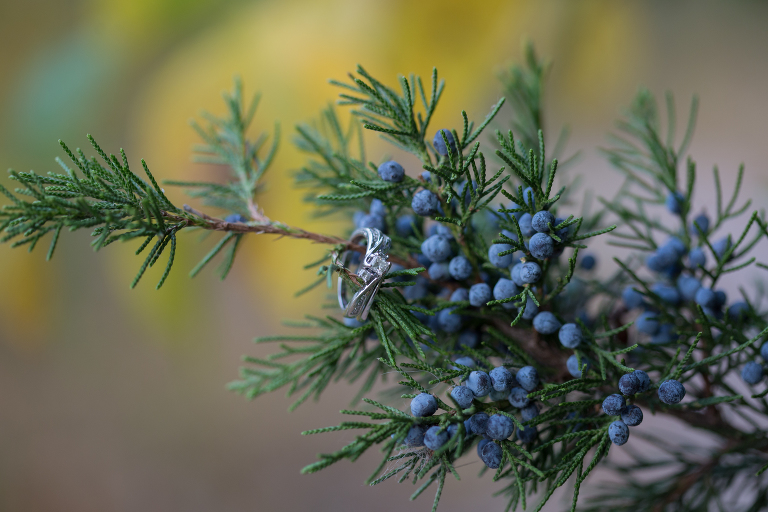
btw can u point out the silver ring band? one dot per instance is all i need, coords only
(370, 274)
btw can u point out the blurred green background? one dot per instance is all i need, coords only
(115, 400)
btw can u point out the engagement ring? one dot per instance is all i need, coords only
(373, 268)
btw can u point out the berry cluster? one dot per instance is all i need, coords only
(679, 272)
(615, 405)
(505, 387)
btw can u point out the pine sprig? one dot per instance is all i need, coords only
(427, 328)
(107, 197)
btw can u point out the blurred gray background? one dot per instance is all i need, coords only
(115, 400)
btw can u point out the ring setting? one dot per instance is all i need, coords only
(370, 274)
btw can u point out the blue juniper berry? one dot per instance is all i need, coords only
(515, 274)
(491, 455)
(422, 259)
(495, 396)
(459, 295)
(424, 203)
(721, 246)
(675, 202)
(435, 437)
(509, 234)
(688, 286)
(469, 339)
(437, 248)
(613, 404)
(439, 271)
(528, 378)
(574, 365)
(423, 404)
(666, 293)
(541, 221)
(720, 299)
(439, 142)
(531, 309)
(526, 434)
(546, 323)
(391, 171)
(502, 379)
(518, 397)
(513, 206)
(570, 335)
(752, 373)
(378, 208)
(705, 297)
(404, 225)
(697, 258)
(675, 245)
(671, 392)
(529, 197)
(466, 361)
(499, 427)
(703, 221)
(417, 291)
(632, 415)
(373, 221)
(481, 444)
(738, 310)
(629, 384)
(479, 294)
(564, 232)
(643, 379)
(500, 261)
(449, 322)
(588, 262)
(542, 246)
(632, 298)
(479, 383)
(478, 422)
(618, 432)
(463, 396)
(442, 229)
(415, 436)
(764, 351)
(671, 251)
(526, 225)
(460, 268)
(468, 427)
(662, 260)
(530, 272)
(505, 289)
(647, 322)
(529, 412)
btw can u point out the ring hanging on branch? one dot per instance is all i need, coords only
(371, 273)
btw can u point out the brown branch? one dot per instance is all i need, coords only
(202, 220)
(545, 354)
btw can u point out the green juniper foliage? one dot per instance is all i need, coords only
(523, 377)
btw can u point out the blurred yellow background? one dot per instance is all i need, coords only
(114, 400)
